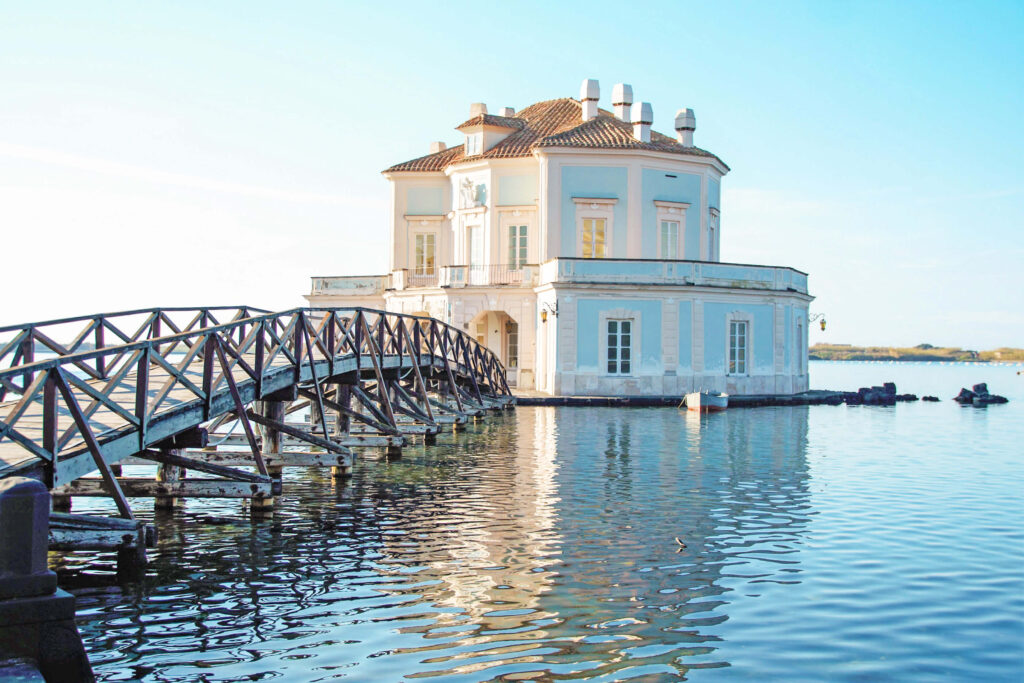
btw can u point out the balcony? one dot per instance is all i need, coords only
(466, 276)
(489, 276)
(357, 285)
(632, 272)
(641, 272)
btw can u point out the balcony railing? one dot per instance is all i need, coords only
(403, 278)
(657, 272)
(357, 285)
(634, 272)
(489, 276)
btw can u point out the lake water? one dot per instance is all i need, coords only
(840, 543)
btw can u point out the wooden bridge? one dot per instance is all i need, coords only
(181, 390)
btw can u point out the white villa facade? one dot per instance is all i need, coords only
(584, 248)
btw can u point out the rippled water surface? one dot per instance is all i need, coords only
(820, 543)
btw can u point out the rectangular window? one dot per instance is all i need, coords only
(669, 239)
(620, 346)
(425, 254)
(737, 347)
(593, 237)
(516, 246)
(512, 345)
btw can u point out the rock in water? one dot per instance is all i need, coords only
(965, 396)
(930, 399)
(980, 389)
(890, 388)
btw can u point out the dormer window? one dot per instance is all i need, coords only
(484, 131)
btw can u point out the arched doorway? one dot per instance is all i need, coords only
(499, 332)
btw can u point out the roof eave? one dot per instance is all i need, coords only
(682, 156)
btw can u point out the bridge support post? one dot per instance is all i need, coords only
(343, 396)
(37, 619)
(314, 417)
(275, 410)
(169, 473)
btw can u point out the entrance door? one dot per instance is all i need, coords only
(477, 274)
(512, 352)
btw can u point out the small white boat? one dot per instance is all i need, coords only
(706, 402)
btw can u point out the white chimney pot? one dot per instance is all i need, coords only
(642, 115)
(686, 123)
(477, 108)
(590, 93)
(436, 147)
(622, 100)
(508, 111)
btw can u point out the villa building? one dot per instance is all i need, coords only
(584, 248)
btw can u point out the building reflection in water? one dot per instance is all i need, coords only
(623, 593)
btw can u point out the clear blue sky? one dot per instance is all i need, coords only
(220, 153)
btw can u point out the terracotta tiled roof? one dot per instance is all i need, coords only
(437, 161)
(554, 123)
(492, 120)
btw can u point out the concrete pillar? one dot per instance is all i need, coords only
(37, 620)
(24, 539)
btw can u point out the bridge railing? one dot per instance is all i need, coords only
(24, 344)
(109, 390)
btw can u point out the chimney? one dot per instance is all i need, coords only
(590, 91)
(642, 115)
(622, 100)
(686, 123)
(436, 147)
(477, 108)
(508, 111)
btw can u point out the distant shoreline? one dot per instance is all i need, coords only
(919, 353)
(915, 360)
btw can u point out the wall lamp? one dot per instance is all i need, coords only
(548, 308)
(817, 316)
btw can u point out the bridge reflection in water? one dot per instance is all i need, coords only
(537, 544)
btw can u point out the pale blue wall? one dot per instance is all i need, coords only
(589, 333)
(685, 336)
(788, 338)
(714, 194)
(594, 181)
(425, 201)
(715, 331)
(516, 190)
(685, 187)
